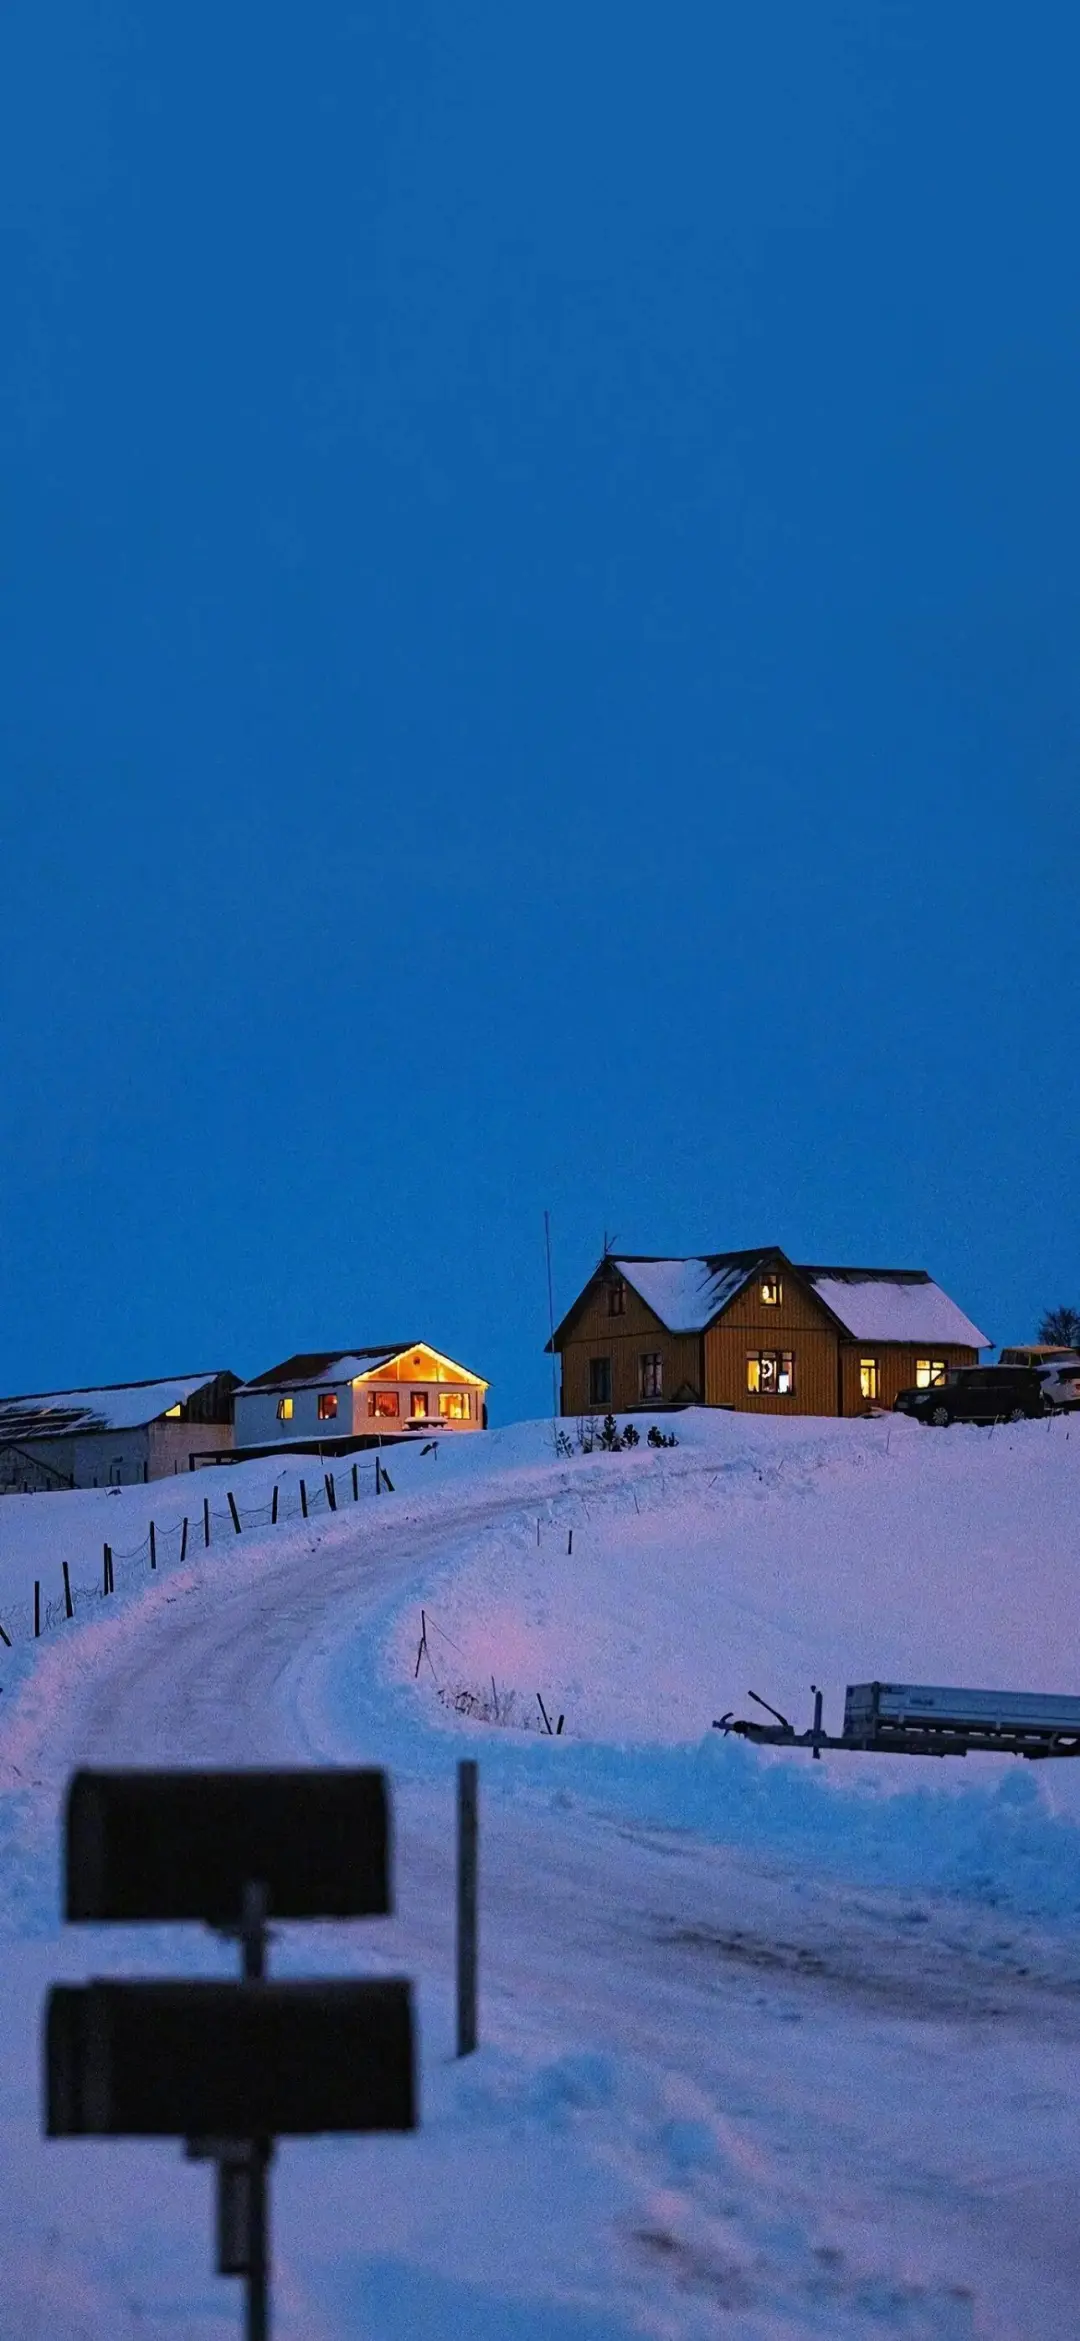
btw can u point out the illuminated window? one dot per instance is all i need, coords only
(651, 1374)
(770, 1373)
(455, 1405)
(616, 1299)
(599, 1381)
(419, 1403)
(868, 1377)
(929, 1372)
(173, 1413)
(772, 1291)
(381, 1402)
(284, 1409)
(327, 1405)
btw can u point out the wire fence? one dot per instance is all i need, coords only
(168, 1544)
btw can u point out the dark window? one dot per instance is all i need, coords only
(327, 1405)
(382, 1402)
(770, 1373)
(651, 1374)
(616, 1298)
(599, 1381)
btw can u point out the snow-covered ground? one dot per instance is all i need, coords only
(770, 2049)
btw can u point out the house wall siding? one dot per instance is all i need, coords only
(796, 1322)
(896, 1363)
(258, 1425)
(625, 1340)
(171, 1443)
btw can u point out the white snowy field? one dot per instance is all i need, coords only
(770, 2049)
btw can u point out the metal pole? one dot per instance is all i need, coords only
(257, 2322)
(467, 1878)
(551, 1326)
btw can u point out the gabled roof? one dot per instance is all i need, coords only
(687, 1294)
(315, 1368)
(115, 1406)
(312, 1366)
(866, 1304)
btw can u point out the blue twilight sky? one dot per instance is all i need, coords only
(538, 662)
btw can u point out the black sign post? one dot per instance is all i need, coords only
(229, 2066)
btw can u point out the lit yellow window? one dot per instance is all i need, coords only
(454, 1405)
(284, 1409)
(868, 1377)
(770, 1373)
(173, 1413)
(929, 1372)
(382, 1402)
(772, 1291)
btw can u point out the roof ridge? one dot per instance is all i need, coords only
(95, 1389)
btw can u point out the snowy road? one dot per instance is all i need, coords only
(754, 2102)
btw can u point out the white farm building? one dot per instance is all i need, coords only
(385, 1391)
(113, 1436)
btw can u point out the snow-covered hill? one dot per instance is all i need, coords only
(771, 2050)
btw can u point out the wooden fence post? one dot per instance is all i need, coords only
(37, 1608)
(69, 1606)
(467, 1880)
(331, 1491)
(355, 1485)
(273, 1506)
(153, 1546)
(206, 1519)
(303, 1498)
(183, 1540)
(5, 1637)
(231, 1501)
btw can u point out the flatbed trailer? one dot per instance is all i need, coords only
(926, 1719)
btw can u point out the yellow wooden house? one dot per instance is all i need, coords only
(755, 1331)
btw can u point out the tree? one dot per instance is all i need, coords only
(1061, 1327)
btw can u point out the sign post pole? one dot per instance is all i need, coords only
(253, 1941)
(466, 1907)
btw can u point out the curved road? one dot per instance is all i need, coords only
(870, 2073)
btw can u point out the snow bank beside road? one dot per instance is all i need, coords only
(653, 1589)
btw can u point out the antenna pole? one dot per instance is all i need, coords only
(551, 1322)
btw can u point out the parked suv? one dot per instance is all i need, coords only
(977, 1394)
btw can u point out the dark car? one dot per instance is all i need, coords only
(977, 1394)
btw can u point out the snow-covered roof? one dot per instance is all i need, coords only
(314, 1369)
(117, 1406)
(872, 1304)
(310, 1368)
(883, 1304)
(686, 1294)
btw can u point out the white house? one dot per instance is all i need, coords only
(389, 1390)
(113, 1435)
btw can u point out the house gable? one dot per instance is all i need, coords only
(418, 1363)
